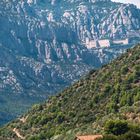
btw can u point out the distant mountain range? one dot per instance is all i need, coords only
(110, 93)
(42, 45)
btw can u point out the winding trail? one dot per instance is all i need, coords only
(16, 131)
(23, 119)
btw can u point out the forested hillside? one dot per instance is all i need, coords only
(112, 92)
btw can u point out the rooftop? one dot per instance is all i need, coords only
(89, 137)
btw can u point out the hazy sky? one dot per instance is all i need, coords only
(136, 2)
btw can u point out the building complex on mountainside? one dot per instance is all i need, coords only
(103, 43)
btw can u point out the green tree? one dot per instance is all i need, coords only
(129, 136)
(116, 127)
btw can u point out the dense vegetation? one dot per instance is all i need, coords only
(112, 92)
(121, 130)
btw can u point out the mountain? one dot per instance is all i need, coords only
(112, 92)
(43, 45)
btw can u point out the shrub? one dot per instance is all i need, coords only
(116, 127)
(108, 137)
(129, 136)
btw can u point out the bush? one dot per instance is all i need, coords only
(116, 127)
(129, 136)
(109, 137)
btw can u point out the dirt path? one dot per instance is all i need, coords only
(18, 134)
(23, 119)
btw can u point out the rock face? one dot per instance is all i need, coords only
(42, 43)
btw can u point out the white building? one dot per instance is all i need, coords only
(91, 43)
(97, 43)
(122, 42)
(104, 43)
